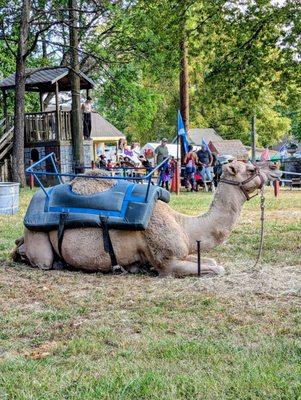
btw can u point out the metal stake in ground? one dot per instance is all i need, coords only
(199, 256)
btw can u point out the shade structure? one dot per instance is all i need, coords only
(45, 79)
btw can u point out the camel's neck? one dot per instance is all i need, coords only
(213, 227)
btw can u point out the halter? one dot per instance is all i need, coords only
(241, 184)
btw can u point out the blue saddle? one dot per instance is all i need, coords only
(123, 206)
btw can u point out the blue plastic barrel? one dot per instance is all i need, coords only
(9, 197)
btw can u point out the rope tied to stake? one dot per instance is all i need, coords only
(262, 210)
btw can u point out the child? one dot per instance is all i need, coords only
(110, 165)
(165, 175)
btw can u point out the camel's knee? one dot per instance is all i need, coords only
(38, 249)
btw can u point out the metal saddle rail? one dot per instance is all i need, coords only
(51, 157)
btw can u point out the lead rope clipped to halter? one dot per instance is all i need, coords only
(262, 209)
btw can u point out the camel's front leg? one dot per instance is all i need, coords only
(190, 268)
(38, 249)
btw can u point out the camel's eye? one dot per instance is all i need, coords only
(250, 168)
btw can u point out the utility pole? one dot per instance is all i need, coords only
(253, 138)
(184, 79)
(184, 82)
(76, 120)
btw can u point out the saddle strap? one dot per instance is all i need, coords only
(60, 232)
(107, 243)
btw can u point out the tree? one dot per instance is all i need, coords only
(25, 34)
(241, 59)
(236, 64)
(21, 31)
(18, 172)
(76, 125)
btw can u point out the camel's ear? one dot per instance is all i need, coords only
(232, 168)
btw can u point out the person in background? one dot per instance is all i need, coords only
(109, 165)
(161, 153)
(121, 144)
(102, 162)
(205, 161)
(173, 166)
(146, 164)
(190, 161)
(166, 175)
(87, 110)
(217, 169)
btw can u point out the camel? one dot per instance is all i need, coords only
(169, 242)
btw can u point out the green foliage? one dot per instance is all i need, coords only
(237, 68)
(243, 59)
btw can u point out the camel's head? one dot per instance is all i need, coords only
(250, 176)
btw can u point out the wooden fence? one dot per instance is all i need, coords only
(47, 126)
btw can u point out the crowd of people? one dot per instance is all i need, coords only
(200, 168)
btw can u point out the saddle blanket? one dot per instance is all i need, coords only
(123, 206)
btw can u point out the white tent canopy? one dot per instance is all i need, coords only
(172, 148)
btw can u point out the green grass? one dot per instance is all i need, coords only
(70, 335)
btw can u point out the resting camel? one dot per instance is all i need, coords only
(169, 242)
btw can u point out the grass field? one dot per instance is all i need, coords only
(72, 335)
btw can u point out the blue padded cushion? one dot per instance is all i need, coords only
(123, 204)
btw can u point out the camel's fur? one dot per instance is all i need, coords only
(169, 242)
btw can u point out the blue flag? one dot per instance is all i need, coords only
(182, 132)
(283, 151)
(204, 143)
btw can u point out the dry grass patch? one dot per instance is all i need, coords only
(70, 335)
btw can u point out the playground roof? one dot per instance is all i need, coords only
(102, 128)
(234, 148)
(209, 134)
(44, 80)
(286, 141)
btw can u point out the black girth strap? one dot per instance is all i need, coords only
(107, 243)
(60, 232)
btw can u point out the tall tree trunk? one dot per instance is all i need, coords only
(18, 173)
(253, 138)
(76, 120)
(44, 45)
